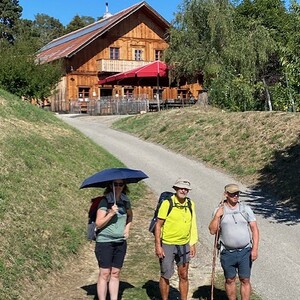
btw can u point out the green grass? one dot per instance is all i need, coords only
(43, 213)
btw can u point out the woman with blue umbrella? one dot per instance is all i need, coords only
(114, 217)
(113, 221)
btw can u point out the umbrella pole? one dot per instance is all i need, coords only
(157, 94)
(114, 192)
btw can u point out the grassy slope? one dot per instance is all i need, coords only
(43, 213)
(258, 148)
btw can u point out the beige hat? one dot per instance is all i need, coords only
(182, 183)
(232, 188)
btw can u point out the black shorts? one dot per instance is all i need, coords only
(111, 255)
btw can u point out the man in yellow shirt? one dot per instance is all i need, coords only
(176, 236)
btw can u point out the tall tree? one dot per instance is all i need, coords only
(48, 28)
(78, 22)
(10, 12)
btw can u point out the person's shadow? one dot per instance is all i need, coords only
(204, 293)
(91, 290)
(152, 290)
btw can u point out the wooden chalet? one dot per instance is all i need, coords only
(117, 43)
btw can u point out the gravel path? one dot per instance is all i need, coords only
(275, 273)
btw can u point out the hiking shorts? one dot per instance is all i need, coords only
(236, 262)
(179, 254)
(111, 255)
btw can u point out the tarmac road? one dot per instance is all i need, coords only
(276, 272)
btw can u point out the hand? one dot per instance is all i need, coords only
(114, 210)
(126, 234)
(254, 254)
(220, 212)
(192, 251)
(159, 251)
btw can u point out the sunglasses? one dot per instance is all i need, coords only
(119, 184)
(185, 189)
(236, 194)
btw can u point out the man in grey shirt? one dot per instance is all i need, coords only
(239, 237)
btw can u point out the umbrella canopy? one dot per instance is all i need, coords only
(151, 74)
(103, 178)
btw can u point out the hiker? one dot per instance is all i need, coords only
(113, 221)
(238, 244)
(175, 238)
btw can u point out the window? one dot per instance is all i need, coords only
(83, 93)
(138, 54)
(159, 54)
(114, 53)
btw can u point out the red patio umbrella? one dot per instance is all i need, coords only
(154, 73)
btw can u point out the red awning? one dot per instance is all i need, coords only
(152, 74)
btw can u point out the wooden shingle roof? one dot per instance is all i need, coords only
(69, 44)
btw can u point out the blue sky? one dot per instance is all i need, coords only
(65, 10)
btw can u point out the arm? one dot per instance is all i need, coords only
(157, 233)
(215, 222)
(128, 222)
(103, 217)
(194, 232)
(255, 239)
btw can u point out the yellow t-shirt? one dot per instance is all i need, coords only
(180, 226)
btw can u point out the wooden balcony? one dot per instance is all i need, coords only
(113, 65)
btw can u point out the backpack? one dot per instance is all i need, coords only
(242, 211)
(92, 214)
(164, 196)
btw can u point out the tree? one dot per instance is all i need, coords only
(48, 28)
(22, 76)
(78, 22)
(10, 12)
(234, 49)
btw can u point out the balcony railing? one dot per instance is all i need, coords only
(113, 65)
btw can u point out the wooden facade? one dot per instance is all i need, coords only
(116, 43)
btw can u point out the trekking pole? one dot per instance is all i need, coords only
(215, 254)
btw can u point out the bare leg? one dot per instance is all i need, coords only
(183, 281)
(114, 283)
(164, 286)
(103, 278)
(230, 288)
(245, 288)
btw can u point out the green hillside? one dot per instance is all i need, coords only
(261, 149)
(43, 213)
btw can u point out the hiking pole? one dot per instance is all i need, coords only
(215, 252)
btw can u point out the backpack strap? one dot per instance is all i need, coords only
(189, 203)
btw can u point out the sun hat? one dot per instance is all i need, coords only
(182, 183)
(232, 188)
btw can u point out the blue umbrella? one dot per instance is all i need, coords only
(103, 178)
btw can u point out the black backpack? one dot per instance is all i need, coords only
(91, 227)
(164, 196)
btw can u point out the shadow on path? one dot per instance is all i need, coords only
(91, 290)
(281, 177)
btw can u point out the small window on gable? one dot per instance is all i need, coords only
(138, 54)
(159, 54)
(114, 53)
